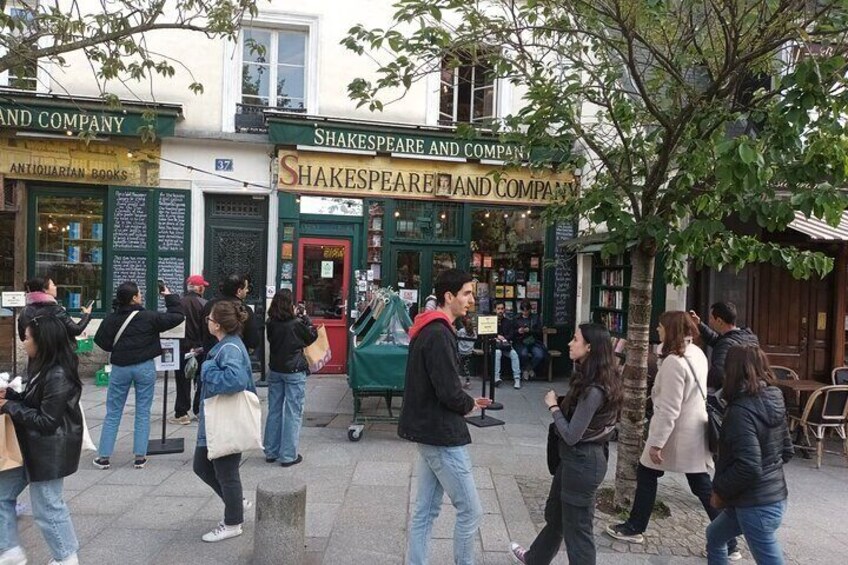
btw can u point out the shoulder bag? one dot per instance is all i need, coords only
(714, 416)
(121, 332)
(318, 353)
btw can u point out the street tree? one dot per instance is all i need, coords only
(113, 36)
(682, 115)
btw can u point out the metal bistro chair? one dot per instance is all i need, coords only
(827, 408)
(839, 376)
(782, 373)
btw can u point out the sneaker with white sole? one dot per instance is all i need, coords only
(184, 420)
(734, 555)
(624, 532)
(222, 532)
(70, 560)
(517, 552)
(102, 463)
(13, 556)
(517, 383)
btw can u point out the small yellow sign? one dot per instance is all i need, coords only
(487, 325)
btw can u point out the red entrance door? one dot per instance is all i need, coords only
(323, 279)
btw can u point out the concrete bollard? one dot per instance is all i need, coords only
(280, 530)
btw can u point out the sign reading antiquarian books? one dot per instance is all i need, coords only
(362, 176)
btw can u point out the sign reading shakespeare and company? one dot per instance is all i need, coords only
(364, 176)
(418, 143)
(28, 116)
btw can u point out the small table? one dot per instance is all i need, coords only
(799, 386)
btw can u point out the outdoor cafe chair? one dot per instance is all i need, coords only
(782, 373)
(827, 408)
(839, 376)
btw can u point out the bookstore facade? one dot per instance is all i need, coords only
(84, 210)
(365, 206)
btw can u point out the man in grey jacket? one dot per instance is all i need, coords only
(721, 335)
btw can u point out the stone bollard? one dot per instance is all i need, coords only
(280, 530)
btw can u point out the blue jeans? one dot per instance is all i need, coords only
(444, 470)
(531, 356)
(48, 510)
(513, 356)
(757, 523)
(143, 377)
(286, 393)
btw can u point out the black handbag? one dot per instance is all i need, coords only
(553, 449)
(714, 415)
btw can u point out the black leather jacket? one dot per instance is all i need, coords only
(54, 309)
(48, 423)
(286, 340)
(140, 340)
(753, 447)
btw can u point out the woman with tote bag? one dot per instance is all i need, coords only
(225, 373)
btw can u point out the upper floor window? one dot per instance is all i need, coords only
(24, 75)
(466, 90)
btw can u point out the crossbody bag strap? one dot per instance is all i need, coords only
(698, 386)
(122, 328)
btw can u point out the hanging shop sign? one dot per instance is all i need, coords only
(74, 160)
(28, 115)
(362, 176)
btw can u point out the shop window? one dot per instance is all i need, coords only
(428, 221)
(328, 206)
(507, 254)
(69, 247)
(25, 75)
(466, 90)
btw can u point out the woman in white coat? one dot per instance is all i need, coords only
(677, 434)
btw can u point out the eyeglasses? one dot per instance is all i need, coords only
(210, 319)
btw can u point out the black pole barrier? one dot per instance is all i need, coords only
(165, 445)
(483, 420)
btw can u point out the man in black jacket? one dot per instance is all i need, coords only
(235, 288)
(721, 335)
(503, 346)
(192, 302)
(434, 406)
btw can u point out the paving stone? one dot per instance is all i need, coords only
(320, 518)
(381, 473)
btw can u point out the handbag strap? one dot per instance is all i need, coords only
(695, 378)
(123, 327)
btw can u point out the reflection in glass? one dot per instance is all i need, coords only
(69, 247)
(329, 206)
(409, 269)
(323, 280)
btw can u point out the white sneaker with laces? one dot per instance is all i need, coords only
(734, 555)
(222, 532)
(70, 560)
(13, 556)
(517, 552)
(517, 383)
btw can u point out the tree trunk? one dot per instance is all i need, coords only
(632, 423)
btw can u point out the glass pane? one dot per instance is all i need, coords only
(448, 221)
(69, 247)
(446, 91)
(409, 270)
(330, 206)
(484, 103)
(255, 80)
(289, 82)
(291, 48)
(7, 251)
(257, 46)
(442, 261)
(323, 280)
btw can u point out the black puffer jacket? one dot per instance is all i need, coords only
(286, 340)
(140, 341)
(721, 344)
(250, 334)
(753, 447)
(54, 309)
(434, 404)
(48, 423)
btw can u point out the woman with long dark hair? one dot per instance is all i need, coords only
(753, 446)
(131, 335)
(225, 371)
(288, 334)
(677, 434)
(41, 301)
(584, 420)
(48, 425)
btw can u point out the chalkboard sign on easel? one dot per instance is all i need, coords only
(130, 220)
(565, 277)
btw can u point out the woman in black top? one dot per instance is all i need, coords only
(132, 355)
(754, 444)
(41, 300)
(48, 425)
(288, 334)
(584, 421)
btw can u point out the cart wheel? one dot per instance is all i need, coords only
(354, 434)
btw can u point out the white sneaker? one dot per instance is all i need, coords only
(517, 383)
(222, 532)
(13, 556)
(70, 560)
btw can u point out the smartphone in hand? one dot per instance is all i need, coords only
(90, 304)
(161, 284)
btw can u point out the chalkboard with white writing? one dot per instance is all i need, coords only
(129, 268)
(565, 277)
(172, 271)
(130, 220)
(172, 220)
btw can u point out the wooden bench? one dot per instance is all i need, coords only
(554, 353)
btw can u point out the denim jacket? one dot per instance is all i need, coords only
(226, 370)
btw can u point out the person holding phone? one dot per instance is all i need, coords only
(131, 335)
(585, 420)
(41, 300)
(433, 416)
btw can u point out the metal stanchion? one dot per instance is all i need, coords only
(165, 445)
(484, 420)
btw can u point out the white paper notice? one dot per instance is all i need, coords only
(326, 269)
